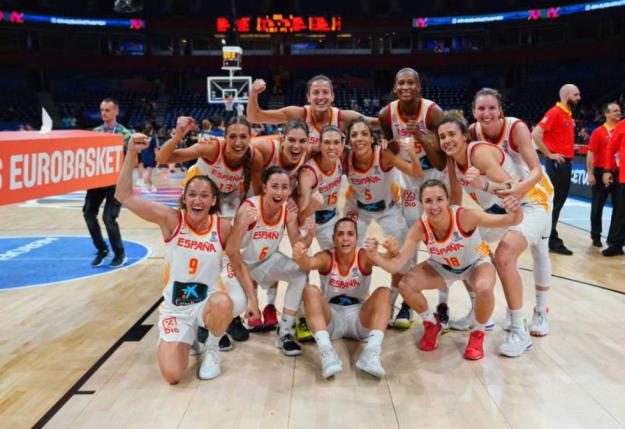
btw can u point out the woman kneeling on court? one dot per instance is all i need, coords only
(456, 251)
(341, 308)
(194, 239)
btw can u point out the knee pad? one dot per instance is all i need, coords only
(542, 263)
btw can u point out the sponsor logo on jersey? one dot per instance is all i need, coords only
(170, 325)
(455, 237)
(202, 246)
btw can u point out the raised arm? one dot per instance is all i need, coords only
(170, 153)
(165, 217)
(411, 168)
(307, 181)
(279, 116)
(429, 139)
(471, 219)
(523, 141)
(455, 187)
(486, 160)
(297, 234)
(320, 261)
(395, 263)
(349, 115)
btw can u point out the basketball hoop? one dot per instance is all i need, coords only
(229, 103)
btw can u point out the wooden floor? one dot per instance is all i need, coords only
(53, 336)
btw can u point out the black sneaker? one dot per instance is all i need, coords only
(237, 331)
(403, 320)
(443, 315)
(99, 258)
(225, 344)
(288, 345)
(613, 251)
(118, 261)
(562, 250)
(597, 242)
(202, 334)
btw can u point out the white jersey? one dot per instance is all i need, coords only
(400, 129)
(193, 262)
(328, 184)
(262, 238)
(314, 129)
(353, 283)
(542, 193)
(459, 249)
(372, 187)
(229, 180)
(274, 159)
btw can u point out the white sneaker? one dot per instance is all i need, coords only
(209, 368)
(196, 348)
(517, 343)
(153, 189)
(330, 362)
(467, 322)
(540, 325)
(370, 361)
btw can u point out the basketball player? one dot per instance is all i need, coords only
(232, 164)
(412, 116)
(514, 137)
(317, 114)
(343, 307)
(289, 152)
(193, 295)
(467, 162)
(258, 229)
(323, 173)
(457, 252)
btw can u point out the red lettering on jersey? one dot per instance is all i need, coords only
(452, 247)
(366, 180)
(224, 176)
(202, 246)
(266, 235)
(342, 284)
(333, 184)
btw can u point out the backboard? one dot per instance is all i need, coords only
(220, 87)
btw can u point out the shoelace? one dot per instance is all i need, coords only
(328, 352)
(372, 356)
(404, 313)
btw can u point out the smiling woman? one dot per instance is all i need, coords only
(194, 238)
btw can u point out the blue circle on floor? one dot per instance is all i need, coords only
(42, 261)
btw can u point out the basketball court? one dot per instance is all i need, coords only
(82, 352)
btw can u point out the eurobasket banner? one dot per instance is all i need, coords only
(34, 165)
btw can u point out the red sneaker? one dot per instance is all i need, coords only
(475, 347)
(429, 340)
(255, 325)
(270, 317)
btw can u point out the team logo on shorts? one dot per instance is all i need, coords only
(170, 325)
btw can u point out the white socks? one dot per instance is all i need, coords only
(286, 324)
(212, 341)
(272, 292)
(516, 319)
(541, 300)
(375, 339)
(428, 316)
(323, 339)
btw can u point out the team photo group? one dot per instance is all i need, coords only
(326, 178)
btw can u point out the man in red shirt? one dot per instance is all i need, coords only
(614, 164)
(599, 140)
(554, 136)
